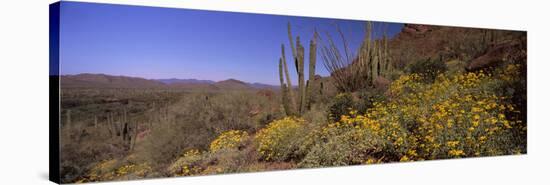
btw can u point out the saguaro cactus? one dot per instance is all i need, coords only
(300, 71)
(288, 98)
(304, 90)
(284, 91)
(310, 85)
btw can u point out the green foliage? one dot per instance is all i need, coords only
(343, 146)
(281, 139)
(341, 105)
(455, 67)
(188, 164)
(360, 101)
(367, 99)
(317, 115)
(428, 68)
(198, 118)
(462, 115)
(223, 160)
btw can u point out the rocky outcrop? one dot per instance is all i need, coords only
(416, 29)
(511, 50)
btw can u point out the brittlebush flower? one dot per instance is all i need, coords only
(227, 140)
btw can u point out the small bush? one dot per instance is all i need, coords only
(227, 160)
(429, 68)
(367, 99)
(197, 119)
(345, 102)
(222, 160)
(133, 171)
(463, 115)
(113, 169)
(317, 115)
(103, 170)
(455, 67)
(356, 139)
(281, 139)
(188, 164)
(341, 105)
(458, 116)
(228, 140)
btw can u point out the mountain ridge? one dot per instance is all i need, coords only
(99, 80)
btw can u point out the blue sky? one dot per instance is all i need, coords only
(156, 43)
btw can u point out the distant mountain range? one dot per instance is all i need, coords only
(185, 81)
(87, 80)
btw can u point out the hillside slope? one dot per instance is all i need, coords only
(87, 80)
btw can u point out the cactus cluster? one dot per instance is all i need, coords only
(375, 54)
(355, 72)
(123, 129)
(297, 105)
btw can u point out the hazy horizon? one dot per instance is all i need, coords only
(164, 43)
(157, 79)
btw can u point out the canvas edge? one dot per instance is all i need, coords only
(54, 33)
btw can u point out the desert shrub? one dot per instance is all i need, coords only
(232, 160)
(266, 117)
(222, 160)
(133, 171)
(455, 67)
(188, 164)
(197, 119)
(513, 84)
(82, 147)
(367, 98)
(104, 170)
(168, 139)
(341, 105)
(114, 169)
(360, 101)
(327, 91)
(281, 139)
(429, 68)
(455, 116)
(317, 115)
(355, 139)
(229, 139)
(234, 111)
(270, 166)
(228, 160)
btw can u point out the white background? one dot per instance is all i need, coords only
(24, 90)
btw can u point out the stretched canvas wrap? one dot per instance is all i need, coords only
(146, 92)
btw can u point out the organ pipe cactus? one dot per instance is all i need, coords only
(304, 88)
(356, 71)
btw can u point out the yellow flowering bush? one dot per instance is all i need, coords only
(134, 170)
(355, 139)
(456, 116)
(341, 104)
(104, 170)
(281, 139)
(228, 140)
(114, 170)
(188, 164)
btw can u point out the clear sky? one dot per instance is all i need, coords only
(156, 43)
